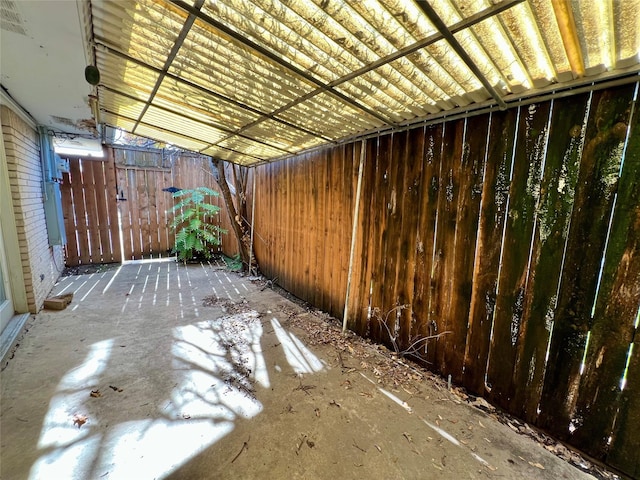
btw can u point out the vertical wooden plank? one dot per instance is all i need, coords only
(523, 200)
(442, 279)
(328, 250)
(391, 309)
(163, 202)
(613, 330)
(102, 215)
(71, 251)
(77, 187)
(409, 196)
(624, 453)
(425, 236)
(383, 195)
(112, 206)
(318, 245)
(154, 227)
(132, 205)
(597, 181)
(143, 212)
(307, 227)
(125, 213)
(333, 175)
(470, 173)
(554, 212)
(346, 198)
(358, 297)
(93, 220)
(493, 205)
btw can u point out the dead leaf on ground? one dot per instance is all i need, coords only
(79, 420)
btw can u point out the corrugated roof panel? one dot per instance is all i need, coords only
(338, 68)
(215, 62)
(277, 134)
(182, 125)
(144, 29)
(116, 121)
(230, 156)
(333, 46)
(120, 105)
(545, 19)
(521, 30)
(327, 114)
(488, 40)
(125, 76)
(177, 95)
(626, 35)
(593, 23)
(166, 136)
(287, 33)
(249, 147)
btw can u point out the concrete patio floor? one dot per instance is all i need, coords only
(137, 379)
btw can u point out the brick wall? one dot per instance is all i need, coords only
(41, 264)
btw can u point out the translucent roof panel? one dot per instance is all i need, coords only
(254, 80)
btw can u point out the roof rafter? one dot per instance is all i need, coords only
(442, 28)
(172, 55)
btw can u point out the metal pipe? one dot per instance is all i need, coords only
(354, 231)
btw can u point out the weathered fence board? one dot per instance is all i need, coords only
(383, 198)
(405, 280)
(550, 232)
(614, 317)
(494, 202)
(470, 171)
(597, 180)
(90, 214)
(443, 270)
(390, 303)
(512, 282)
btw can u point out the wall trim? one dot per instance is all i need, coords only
(10, 235)
(9, 101)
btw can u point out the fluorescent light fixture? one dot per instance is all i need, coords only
(78, 147)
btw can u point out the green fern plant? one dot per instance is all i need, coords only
(195, 236)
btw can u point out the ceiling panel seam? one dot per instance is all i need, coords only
(440, 25)
(172, 55)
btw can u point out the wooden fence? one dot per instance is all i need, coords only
(130, 182)
(90, 213)
(514, 236)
